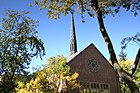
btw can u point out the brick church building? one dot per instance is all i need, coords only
(96, 75)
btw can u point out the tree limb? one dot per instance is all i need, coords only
(135, 63)
(122, 74)
(104, 32)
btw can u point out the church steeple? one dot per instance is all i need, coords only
(73, 43)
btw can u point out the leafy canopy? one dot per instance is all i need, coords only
(127, 40)
(55, 7)
(127, 66)
(54, 76)
(18, 42)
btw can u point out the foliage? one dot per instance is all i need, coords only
(6, 85)
(18, 44)
(127, 65)
(54, 77)
(102, 8)
(55, 7)
(23, 78)
(135, 39)
(122, 55)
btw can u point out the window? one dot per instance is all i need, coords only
(93, 87)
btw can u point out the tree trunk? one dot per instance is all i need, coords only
(122, 74)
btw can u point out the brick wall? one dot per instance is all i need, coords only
(105, 74)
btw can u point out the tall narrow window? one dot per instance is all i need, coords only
(93, 87)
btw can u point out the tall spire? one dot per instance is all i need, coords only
(73, 43)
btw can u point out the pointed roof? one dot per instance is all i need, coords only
(73, 42)
(70, 58)
(77, 53)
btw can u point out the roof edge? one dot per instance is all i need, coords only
(70, 58)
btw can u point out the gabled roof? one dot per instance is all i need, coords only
(76, 54)
(70, 58)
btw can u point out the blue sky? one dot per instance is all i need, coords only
(56, 33)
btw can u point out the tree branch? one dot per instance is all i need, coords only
(135, 63)
(15, 59)
(122, 74)
(104, 32)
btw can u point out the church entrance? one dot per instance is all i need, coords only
(93, 87)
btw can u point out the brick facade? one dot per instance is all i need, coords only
(105, 74)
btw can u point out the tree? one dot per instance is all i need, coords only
(18, 45)
(23, 78)
(135, 39)
(101, 8)
(53, 78)
(127, 66)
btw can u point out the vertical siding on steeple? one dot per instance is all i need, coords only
(73, 43)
